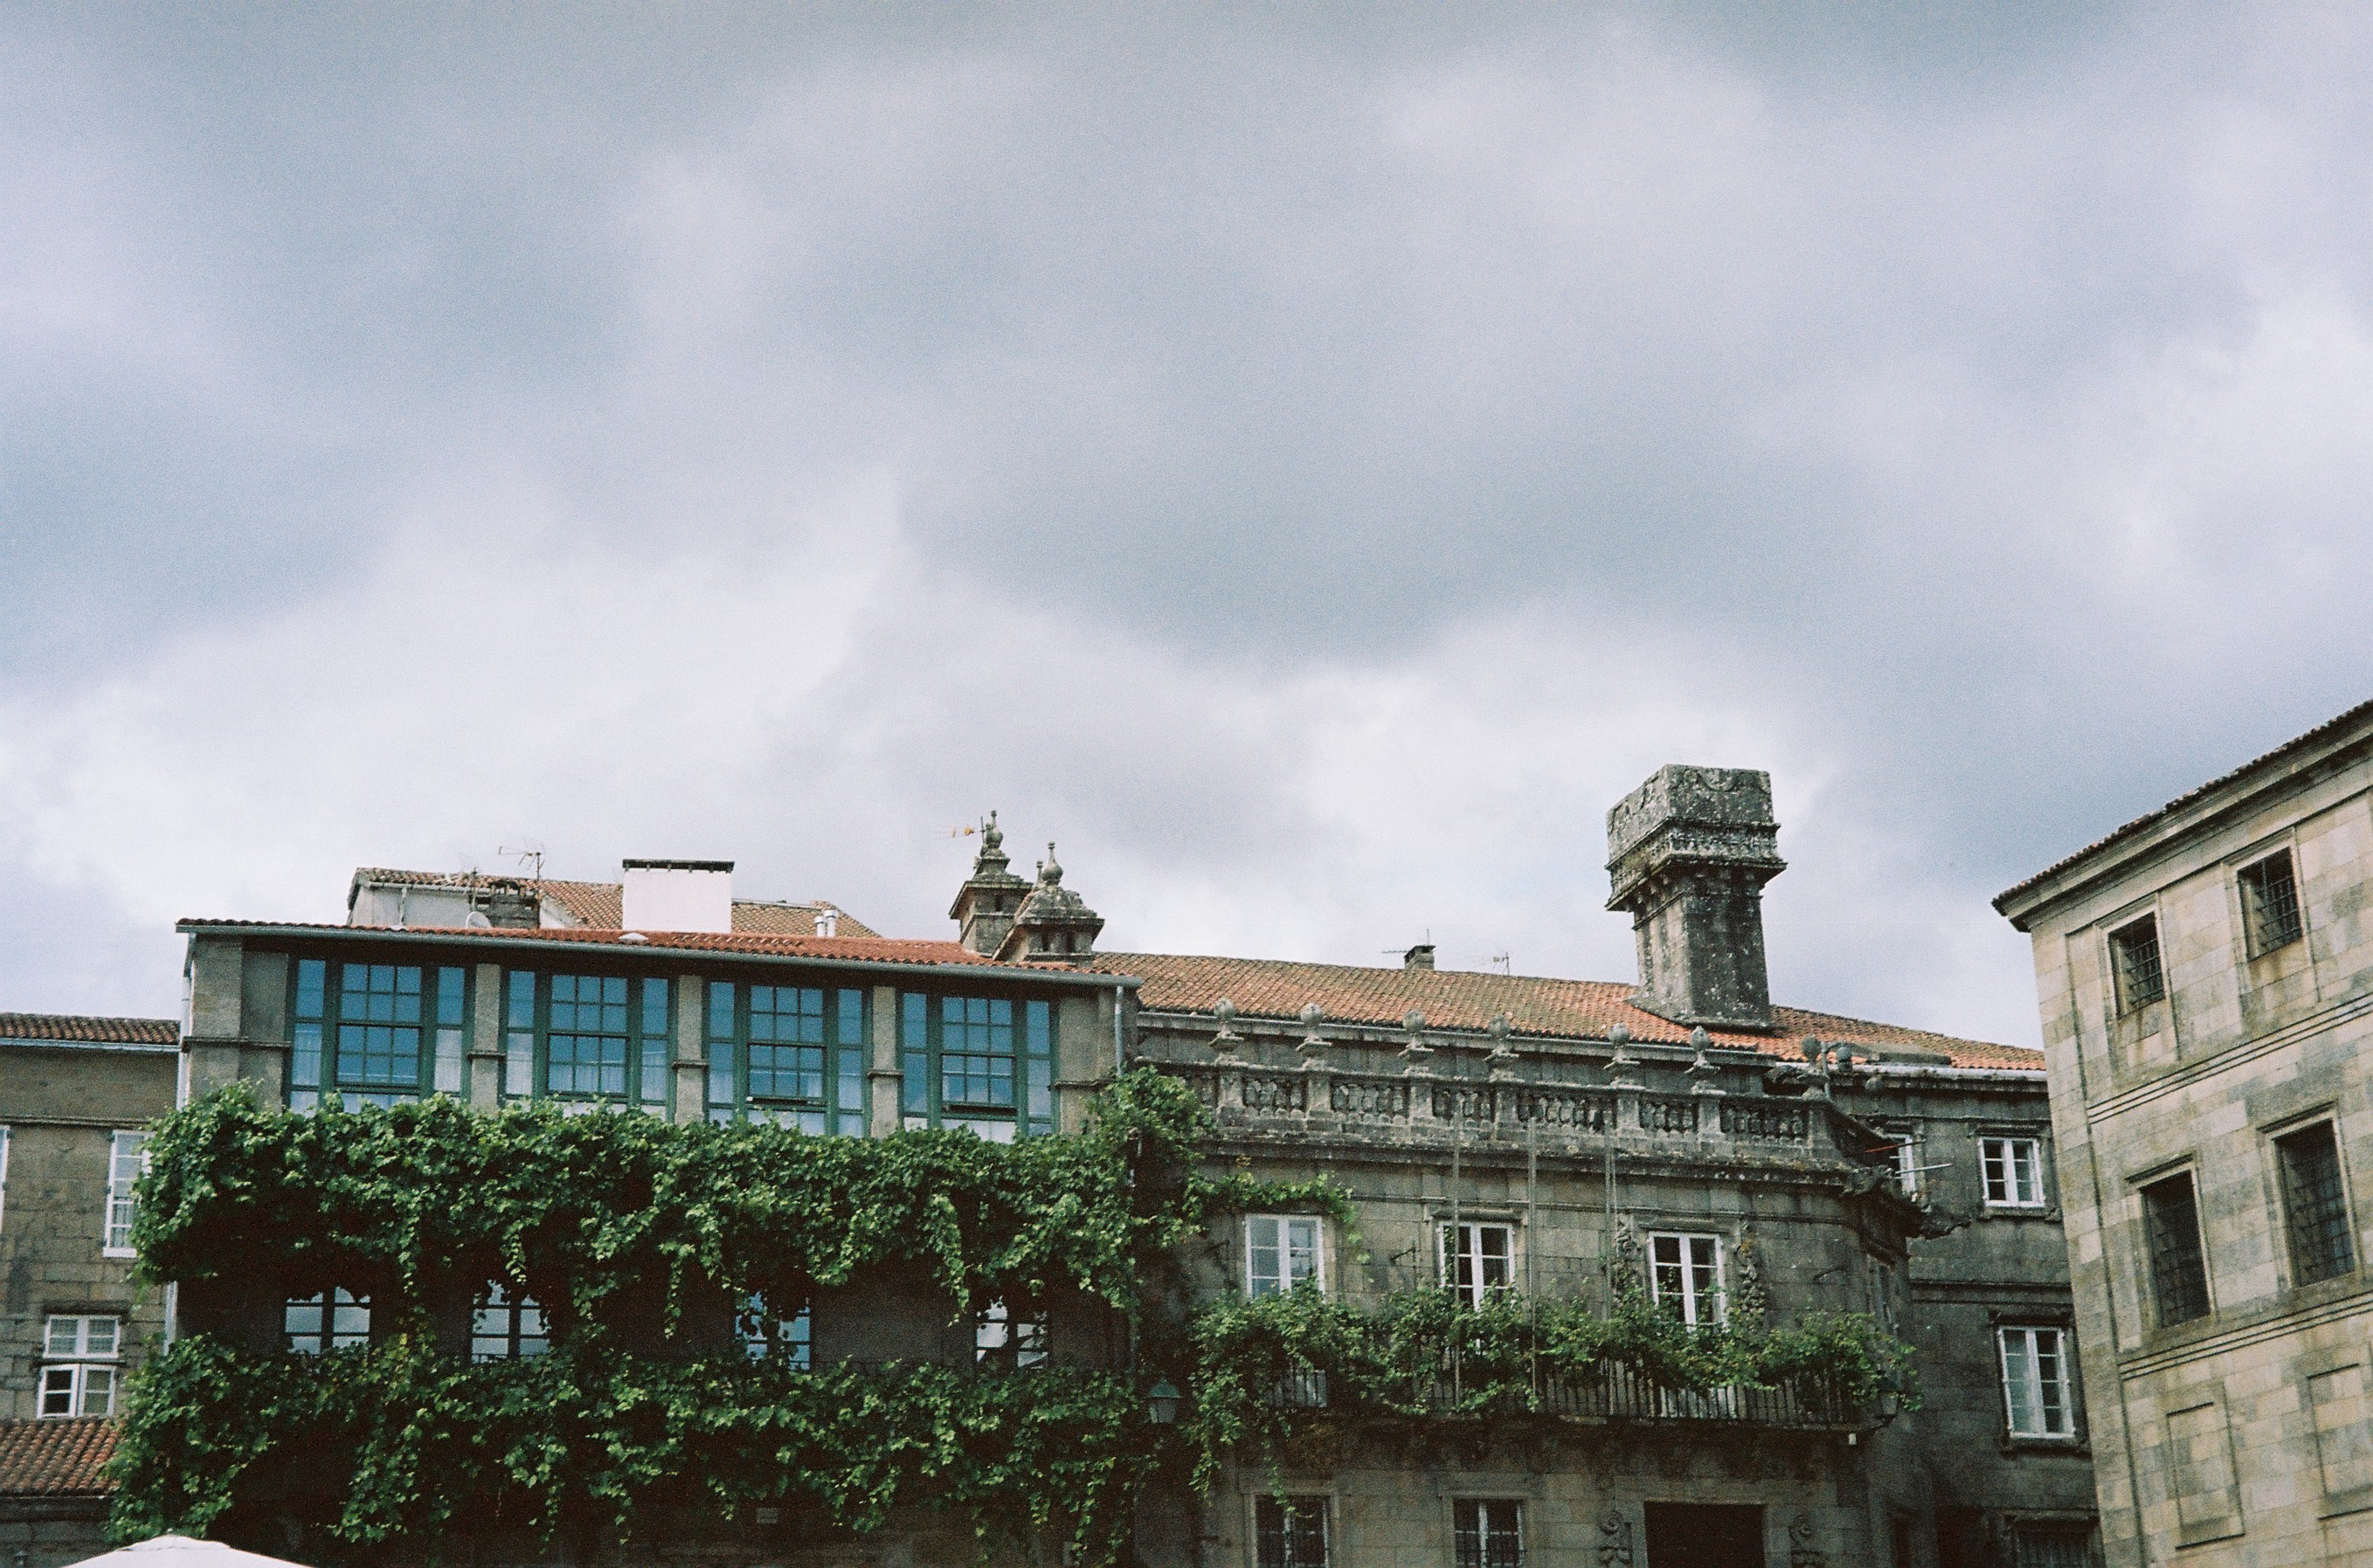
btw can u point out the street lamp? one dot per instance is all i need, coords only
(1162, 1404)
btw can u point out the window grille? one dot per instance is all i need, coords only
(1478, 1259)
(127, 1157)
(2135, 964)
(2315, 1205)
(326, 1320)
(1491, 1532)
(2270, 905)
(2171, 1235)
(2035, 1382)
(2014, 1172)
(1281, 1252)
(1685, 1276)
(2037, 1545)
(1291, 1531)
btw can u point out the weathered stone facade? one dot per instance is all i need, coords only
(71, 1322)
(1561, 1130)
(2205, 974)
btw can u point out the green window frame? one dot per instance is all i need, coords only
(374, 1033)
(792, 1055)
(588, 1038)
(985, 1063)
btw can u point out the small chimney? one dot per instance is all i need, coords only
(1418, 957)
(1687, 854)
(676, 896)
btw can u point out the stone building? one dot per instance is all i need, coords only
(2205, 974)
(75, 1094)
(1493, 1132)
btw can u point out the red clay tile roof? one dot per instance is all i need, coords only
(601, 904)
(2127, 830)
(856, 949)
(90, 1031)
(55, 1459)
(1456, 999)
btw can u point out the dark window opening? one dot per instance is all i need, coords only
(1491, 1532)
(2270, 905)
(2171, 1233)
(2315, 1205)
(2135, 964)
(1704, 1535)
(1291, 1531)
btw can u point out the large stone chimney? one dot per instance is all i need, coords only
(1687, 854)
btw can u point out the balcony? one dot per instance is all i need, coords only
(1610, 1393)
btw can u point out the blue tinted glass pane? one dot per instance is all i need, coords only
(655, 1007)
(720, 1009)
(851, 1021)
(449, 997)
(850, 1088)
(720, 1073)
(522, 999)
(310, 986)
(305, 1057)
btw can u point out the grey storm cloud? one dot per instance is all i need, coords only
(1185, 423)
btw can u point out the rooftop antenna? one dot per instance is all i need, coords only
(530, 858)
(1503, 960)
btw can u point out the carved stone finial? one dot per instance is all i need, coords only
(1414, 1051)
(1050, 872)
(1811, 1047)
(1225, 1039)
(1313, 1044)
(1620, 1065)
(1704, 1077)
(1501, 1058)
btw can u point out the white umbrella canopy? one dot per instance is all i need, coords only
(181, 1552)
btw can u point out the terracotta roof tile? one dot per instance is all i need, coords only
(1456, 999)
(90, 1031)
(601, 904)
(55, 1459)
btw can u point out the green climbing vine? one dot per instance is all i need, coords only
(636, 1235)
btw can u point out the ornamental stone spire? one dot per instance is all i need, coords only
(987, 903)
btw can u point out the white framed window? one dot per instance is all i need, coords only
(505, 1324)
(1478, 1258)
(2035, 1382)
(1489, 1531)
(1003, 1339)
(80, 1389)
(78, 1376)
(1906, 1157)
(1685, 1275)
(327, 1320)
(2014, 1172)
(127, 1156)
(1282, 1251)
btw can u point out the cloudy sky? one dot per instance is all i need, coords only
(1308, 462)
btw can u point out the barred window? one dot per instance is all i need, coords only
(1491, 1532)
(2041, 1545)
(2135, 964)
(1291, 1531)
(2315, 1205)
(2270, 905)
(2171, 1235)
